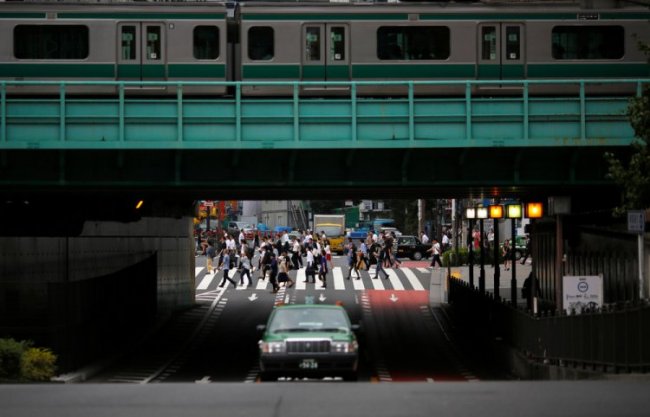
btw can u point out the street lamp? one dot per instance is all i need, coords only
(496, 213)
(482, 214)
(470, 214)
(513, 212)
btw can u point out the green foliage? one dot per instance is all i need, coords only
(462, 258)
(453, 258)
(20, 361)
(11, 352)
(38, 364)
(633, 176)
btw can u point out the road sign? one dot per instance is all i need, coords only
(636, 221)
(582, 293)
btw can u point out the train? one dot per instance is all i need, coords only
(324, 43)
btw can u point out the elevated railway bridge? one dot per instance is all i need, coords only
(72, 168)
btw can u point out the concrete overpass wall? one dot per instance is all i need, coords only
(108, 284)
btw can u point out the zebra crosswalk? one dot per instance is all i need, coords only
(401, 279)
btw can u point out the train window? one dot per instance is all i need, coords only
(51, 42)
(206, 42)
(260, 43)
(413, 43)
(513, 47)
(153, 43)
(128, 43)
(489, 43)
(337, 44)
(312, 44)
(588, 42)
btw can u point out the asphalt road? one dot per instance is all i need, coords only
(402, 339)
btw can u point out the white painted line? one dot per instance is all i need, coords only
(358, 284)
(198, 269)
(378, 283)
(300, 279)
(261, 284)
(424, 270)
(415, 282)
(319, 284)
(339, 284)
(206, 281)
(394, 280)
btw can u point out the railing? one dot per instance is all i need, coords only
(473, 114)
(613, 339)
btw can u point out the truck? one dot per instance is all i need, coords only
(334, 227)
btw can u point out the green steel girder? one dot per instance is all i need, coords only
(311, 144)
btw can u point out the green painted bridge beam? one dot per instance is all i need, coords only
(506, 119)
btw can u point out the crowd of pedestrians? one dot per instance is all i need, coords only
(278, 255)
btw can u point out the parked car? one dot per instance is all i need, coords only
(314, 340)
(412, 247)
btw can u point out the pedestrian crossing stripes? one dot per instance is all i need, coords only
(401, 279)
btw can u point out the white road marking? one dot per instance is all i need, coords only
(415, 282)
(339, 284)
(394, 280)
(300, 279)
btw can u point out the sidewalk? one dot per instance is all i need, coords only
(522, 272)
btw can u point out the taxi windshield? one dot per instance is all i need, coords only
(309, 320)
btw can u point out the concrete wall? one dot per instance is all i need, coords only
(46, 283)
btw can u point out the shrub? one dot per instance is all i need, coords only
(11, 352)
(38, 364)
(453, 258)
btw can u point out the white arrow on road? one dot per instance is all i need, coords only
(204, 380)
(393, 298)
(253, 297)
(322, 298)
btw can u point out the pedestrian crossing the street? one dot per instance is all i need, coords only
(401, 279)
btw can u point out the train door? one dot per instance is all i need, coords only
(501, 51)
(141, 54)
(325, 55)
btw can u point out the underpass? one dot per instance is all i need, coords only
(403, 338)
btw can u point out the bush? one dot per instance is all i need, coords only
(11, 353)
(38, 364)
(21, 361)
(453, 258)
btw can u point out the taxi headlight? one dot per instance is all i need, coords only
(272, 347)
(344, 347)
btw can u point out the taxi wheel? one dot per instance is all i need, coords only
(417, 256)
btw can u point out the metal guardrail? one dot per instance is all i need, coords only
(352, 120)
(614, 339)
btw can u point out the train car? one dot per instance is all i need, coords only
(138, 41)
(318, 42)
(437, 41)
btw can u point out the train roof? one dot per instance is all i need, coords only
(571, 9)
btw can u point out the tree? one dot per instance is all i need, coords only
(634, 176)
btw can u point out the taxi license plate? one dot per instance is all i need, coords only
(308, 364)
